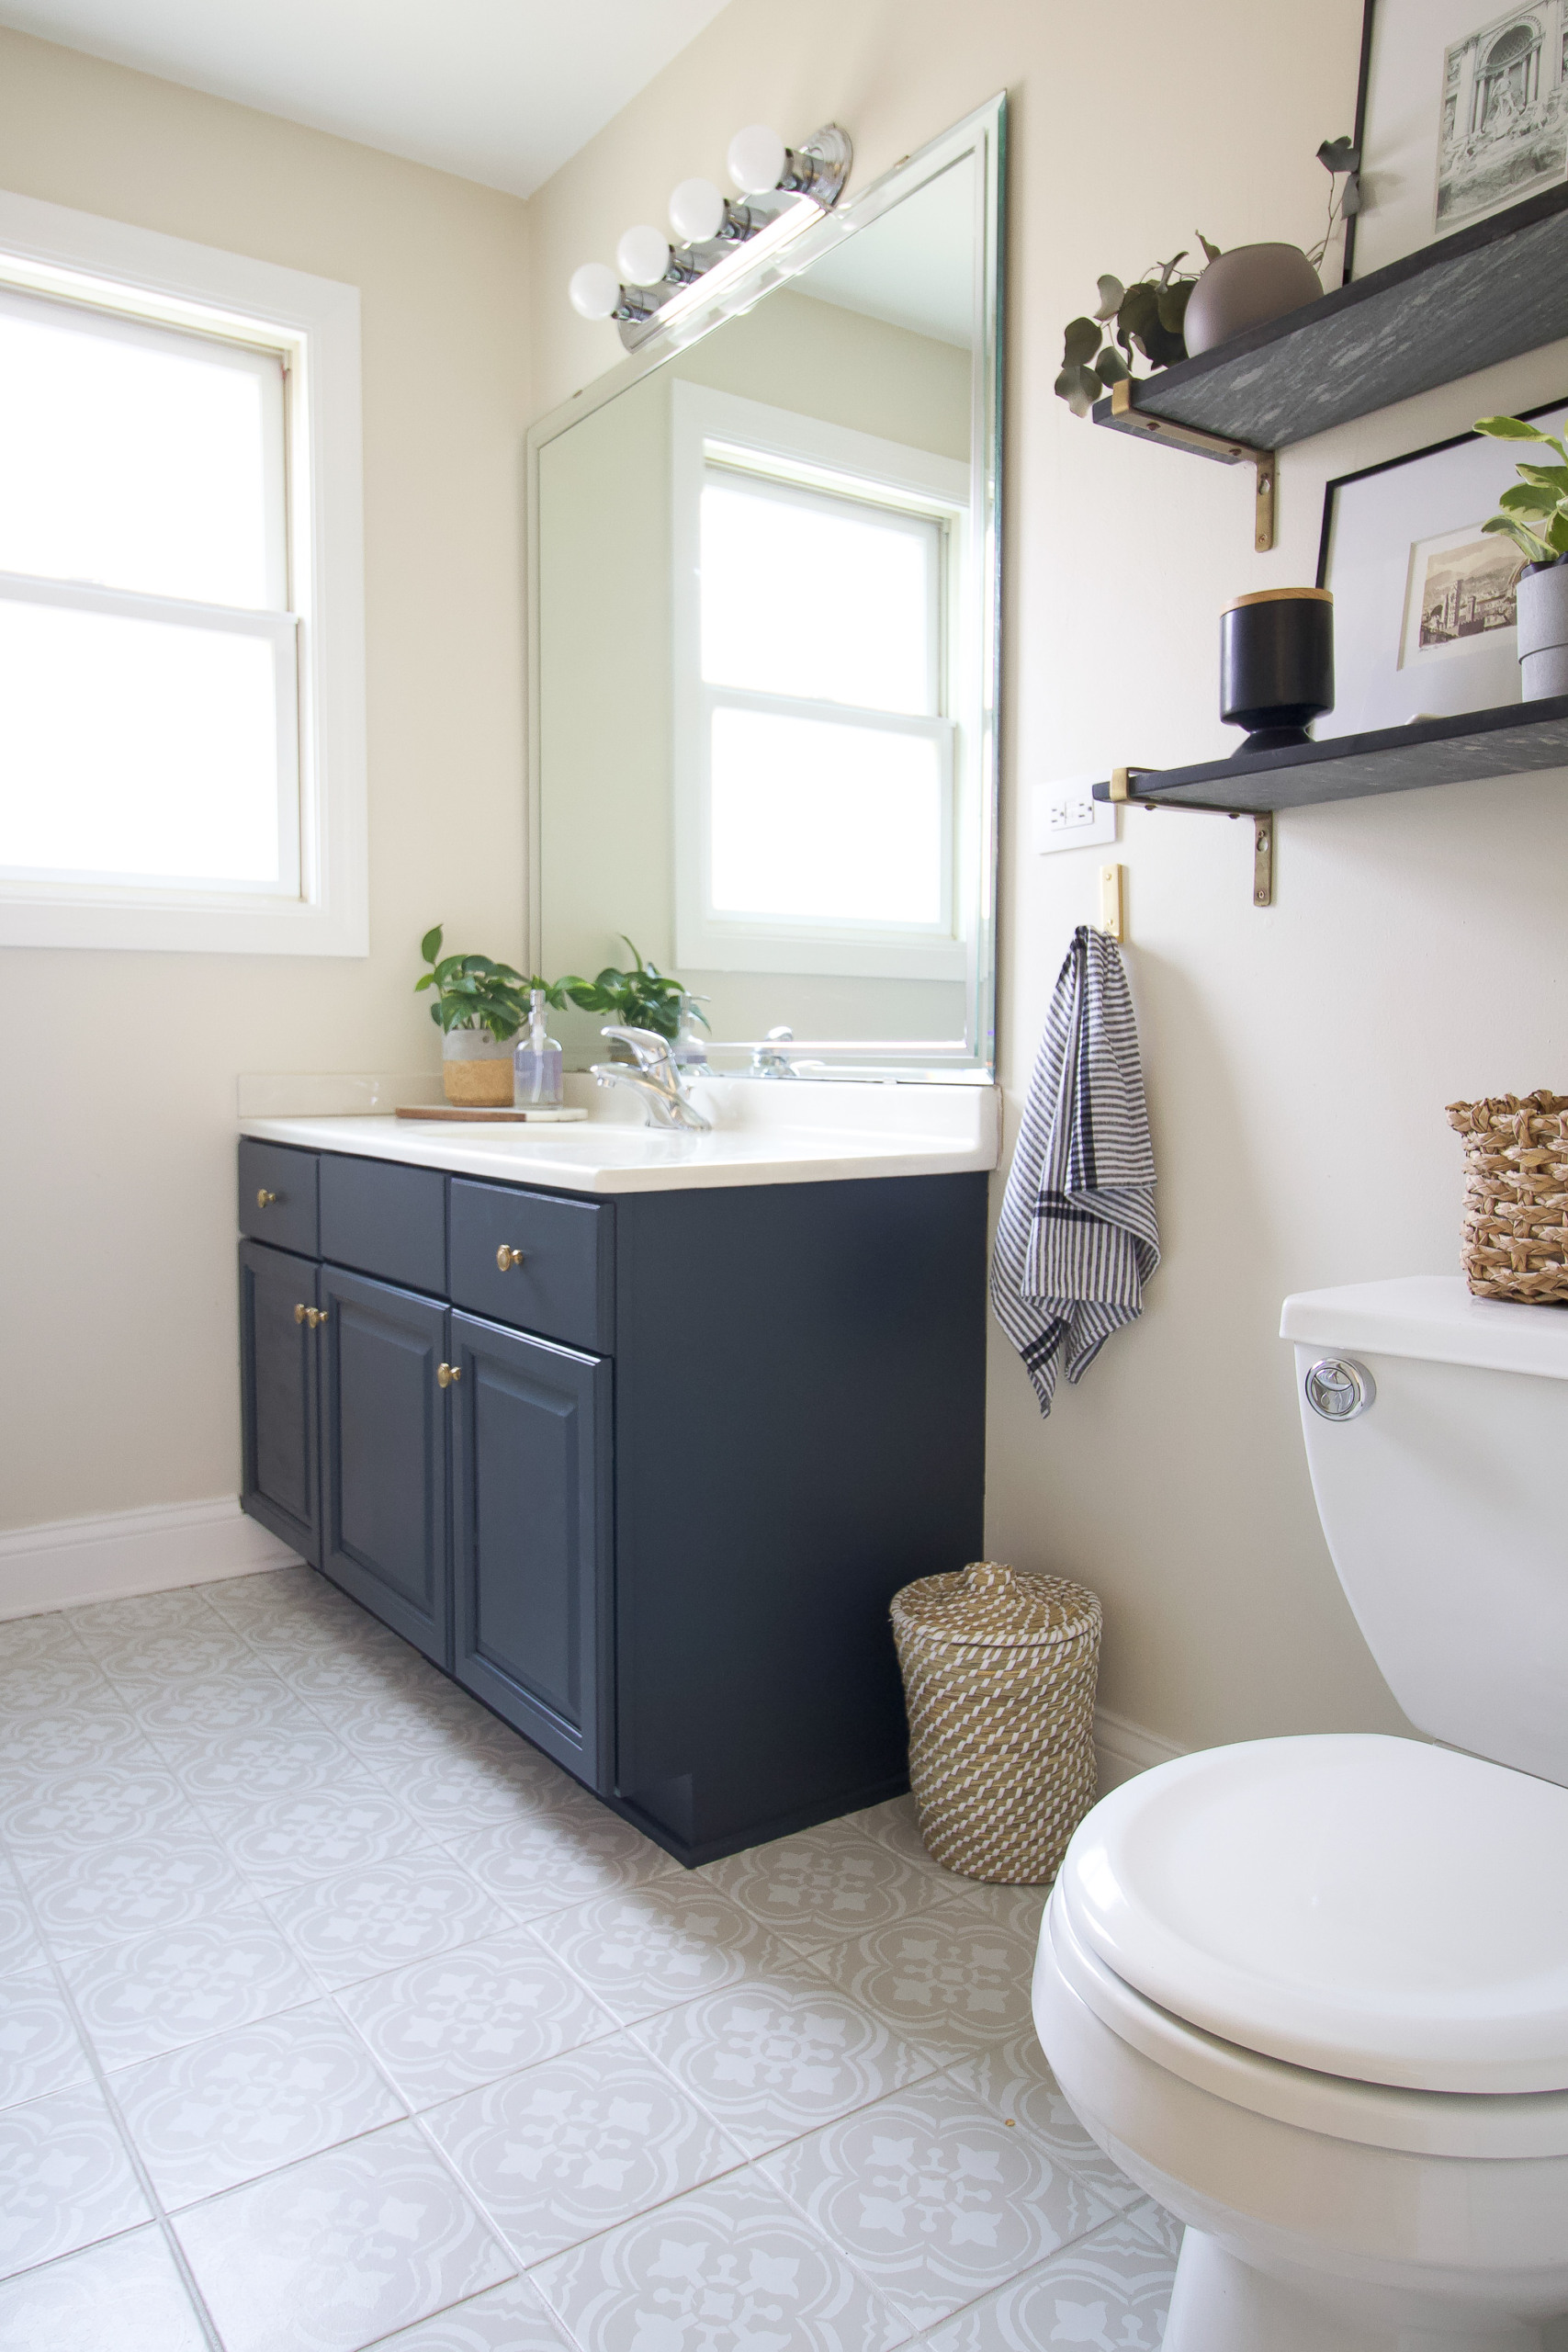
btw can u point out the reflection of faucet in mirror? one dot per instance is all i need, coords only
(767, 1061)
(658, 1079)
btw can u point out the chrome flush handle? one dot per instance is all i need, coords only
(1340, 1389)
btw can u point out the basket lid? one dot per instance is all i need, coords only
(989, 1603)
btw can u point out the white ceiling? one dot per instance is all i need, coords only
(501, 91)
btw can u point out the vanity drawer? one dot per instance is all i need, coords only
(563, 1289)
(384, 1219)
(278, 1195)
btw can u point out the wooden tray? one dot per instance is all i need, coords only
(482, 1112)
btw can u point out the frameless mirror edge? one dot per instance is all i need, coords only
(981, 133)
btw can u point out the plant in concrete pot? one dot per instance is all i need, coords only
(1534, 514)
(480, 1006)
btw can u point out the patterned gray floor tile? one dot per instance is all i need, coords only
(339, 2251)
(51, 1682)
(824, 1885)
(101, 1624)
(110, 1893)
(1019, 1908)
(96, 1807)
(123, 2296)
(182, 1984)
(71, 1739)
(651, 1947)
(278, 1841)
(895, 1822)
(1109, 2292)
(268, 1763)
(39, 2047)
(219, 2112)
(29, 1637)
(1155, 2222)
(186, 1715)
(730, 2268)
(445, 2026)
(65, 2179)
(556, 1858)
(572, 2147)
(393, 1730)
(933, 2198)
(1013, 2079)
(508, 2319)
(19, 1946)
(137, 1663)
(780, 2055)
(947, 1980)
(365, 1922)
(284, 1593)
(460, 1788)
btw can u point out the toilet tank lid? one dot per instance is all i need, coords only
(1431, 1316)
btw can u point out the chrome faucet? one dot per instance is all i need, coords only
(658, 1079)
(769, 1059)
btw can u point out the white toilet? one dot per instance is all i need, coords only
(1312, 1993)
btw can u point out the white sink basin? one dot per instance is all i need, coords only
(791, 1132)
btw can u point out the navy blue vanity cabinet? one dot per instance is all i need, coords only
(384, 1454)
(532, 1614)
(281, 1451)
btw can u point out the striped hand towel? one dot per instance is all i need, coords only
(1078, 1238)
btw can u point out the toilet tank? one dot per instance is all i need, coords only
(1445, 1503)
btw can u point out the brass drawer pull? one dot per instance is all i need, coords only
(305, 1314)
(266, 1199)
(447, 1375)
(506, 1258)
(318, 1315)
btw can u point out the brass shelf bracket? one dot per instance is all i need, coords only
(1123, 790)
(1130, 418)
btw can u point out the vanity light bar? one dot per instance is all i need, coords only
(783, 188)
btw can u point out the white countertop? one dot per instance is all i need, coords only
(788, 1132)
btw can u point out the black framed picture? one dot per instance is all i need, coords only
(1424, 619)
(1462, 113)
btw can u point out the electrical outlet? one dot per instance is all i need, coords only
(1068, 816)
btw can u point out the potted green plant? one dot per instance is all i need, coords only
(1534, 514)
(479, 1008)
(644, 998)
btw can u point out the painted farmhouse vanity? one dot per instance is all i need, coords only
(637, 1448)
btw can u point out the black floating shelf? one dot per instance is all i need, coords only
(1511, 741)
(1485, 294)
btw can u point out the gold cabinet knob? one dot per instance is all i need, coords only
(306, 1315)
(506, 1258)
(315, 1316)
(266, 1199)
(447, 1375)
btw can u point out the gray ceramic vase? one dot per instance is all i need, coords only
(1543, 632)
(1246, 289)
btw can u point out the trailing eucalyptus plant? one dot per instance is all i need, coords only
(1534, 513)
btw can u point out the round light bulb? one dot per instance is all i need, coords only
(756, 159)
(595, 291)
(696, 211)
(642, 256)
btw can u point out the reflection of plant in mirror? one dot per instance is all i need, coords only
(472, 992)
(1534, 513)
(644, 998)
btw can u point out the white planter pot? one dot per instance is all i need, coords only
(1543, 632)
(476, 1068)
(1246, 288)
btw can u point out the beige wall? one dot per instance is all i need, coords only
(117, 1375)
(1298, 1059)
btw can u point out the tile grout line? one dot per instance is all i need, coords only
(143, 2177)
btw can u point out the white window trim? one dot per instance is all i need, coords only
(48, 248)
(706, 423)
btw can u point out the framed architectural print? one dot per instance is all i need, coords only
(1463, 114)
(1424, 624)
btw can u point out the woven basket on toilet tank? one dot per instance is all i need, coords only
(1000, 1673)
(1516, 1196)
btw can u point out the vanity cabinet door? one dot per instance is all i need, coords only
(281, 1483)
(384, 1454)
(531, 1475)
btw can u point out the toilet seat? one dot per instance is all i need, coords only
(1368, 1909)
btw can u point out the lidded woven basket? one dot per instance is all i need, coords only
(1516, 1195)
(999, 1674)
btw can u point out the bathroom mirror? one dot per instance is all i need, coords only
(765, 572)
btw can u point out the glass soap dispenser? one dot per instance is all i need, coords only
(537, 1062)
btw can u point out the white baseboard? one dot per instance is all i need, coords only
(116, 1553)
(1123, 1748)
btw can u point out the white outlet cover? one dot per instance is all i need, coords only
(1065, 815)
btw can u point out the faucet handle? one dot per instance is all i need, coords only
(648, 1045)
